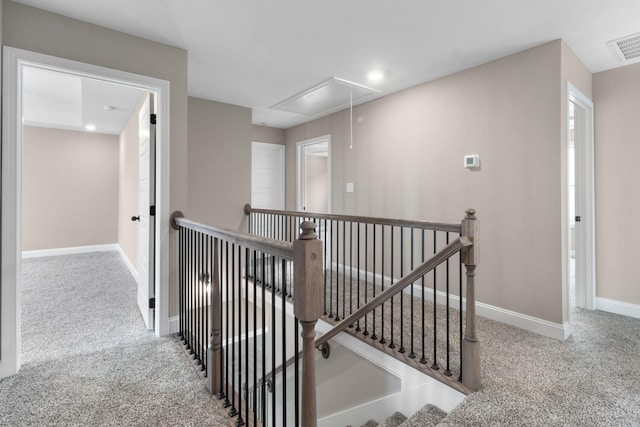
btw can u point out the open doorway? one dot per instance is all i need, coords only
(580, 194)
(16, 63)
(314, 175)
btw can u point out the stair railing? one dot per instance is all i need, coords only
(229, 321)
(365, 256)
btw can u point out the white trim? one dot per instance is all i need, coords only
(299, 169)
(174, 324)
(618, 307)
(73, 250)
(13, 61)
(513, 318)
(519, 320)
(128, 263)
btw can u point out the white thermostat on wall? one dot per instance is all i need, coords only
(471, 161)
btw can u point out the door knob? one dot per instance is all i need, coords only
(135, 218)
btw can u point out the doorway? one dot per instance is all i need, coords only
(14, 63)
(314, 175)
(580, 194)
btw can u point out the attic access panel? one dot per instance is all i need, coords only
(330, 95)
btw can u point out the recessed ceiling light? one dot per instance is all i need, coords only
(90, 128)
(375, 76)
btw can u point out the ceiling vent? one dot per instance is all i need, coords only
(330, 95)
(626, 48)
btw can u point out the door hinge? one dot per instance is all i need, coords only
(153, 119)
(152, 303)
(152, 210)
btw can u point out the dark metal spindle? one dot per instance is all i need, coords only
(382, 259)
(239, 421)
(350, 269)
(228, 339)
(412, 353)
(423, 359)
(255, 342)
(402, 349)
(296, 367)
(284, 353)
(447, 371)
(460, 309)
(358, 275)
(233, 411)
(435, 366)
(324, 248)
(373, 312)
(273, 345)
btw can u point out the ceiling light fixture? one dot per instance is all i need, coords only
(375, 76)
(90, 128)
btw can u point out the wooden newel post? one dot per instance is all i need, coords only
(307, 306)
(214, 351)
(470, 344)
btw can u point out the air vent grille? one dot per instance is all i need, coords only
(626, 48)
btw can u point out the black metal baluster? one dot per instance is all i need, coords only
(296, 367)
(358, 274)
(423, 359)
(382, 339)
(435, 300)
(263, 386)
(205, 296)
(391, 344)
(326, 263)
(246, 331)
(191, 293)
(337, 271)
(460, 309)
(228, 339)
(412, 353)
(402, 349)
(331, 273)
(350, 269)
(344, 271)
(255, 342)
(447, 371)
(284, 354)
(239, 421)
(273, 345)
(366, 273)
(181, 270)
(233, 411)
(373, 312)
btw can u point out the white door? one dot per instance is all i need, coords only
(146, 212)
(267, 176)
(581, 199)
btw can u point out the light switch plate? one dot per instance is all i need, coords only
(349, 187)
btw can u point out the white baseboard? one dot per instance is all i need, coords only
(132, 268)
(174, 325)
(519, 320)
(70, 251)
(618, 307)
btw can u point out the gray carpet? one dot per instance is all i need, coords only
(87, 358)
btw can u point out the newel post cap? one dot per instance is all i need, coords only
(308, 230)
(247, 208)
(471, 213)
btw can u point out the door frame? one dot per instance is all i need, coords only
(586, 181)
(300, 169)
(11, 253)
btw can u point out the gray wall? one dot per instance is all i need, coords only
(32, 29)
(267, 134)
(407, 162)
(70, 189)
(219, 162)
(616, 95)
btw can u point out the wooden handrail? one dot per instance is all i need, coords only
(396, 288)
(426, 225)
(274, 247)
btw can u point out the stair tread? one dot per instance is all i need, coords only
(394, 420)
(428, 416)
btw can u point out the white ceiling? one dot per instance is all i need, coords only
(56, 100)
(258, 53)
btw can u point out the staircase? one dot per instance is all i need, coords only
(429, 416)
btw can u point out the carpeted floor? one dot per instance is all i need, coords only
(87, 358)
